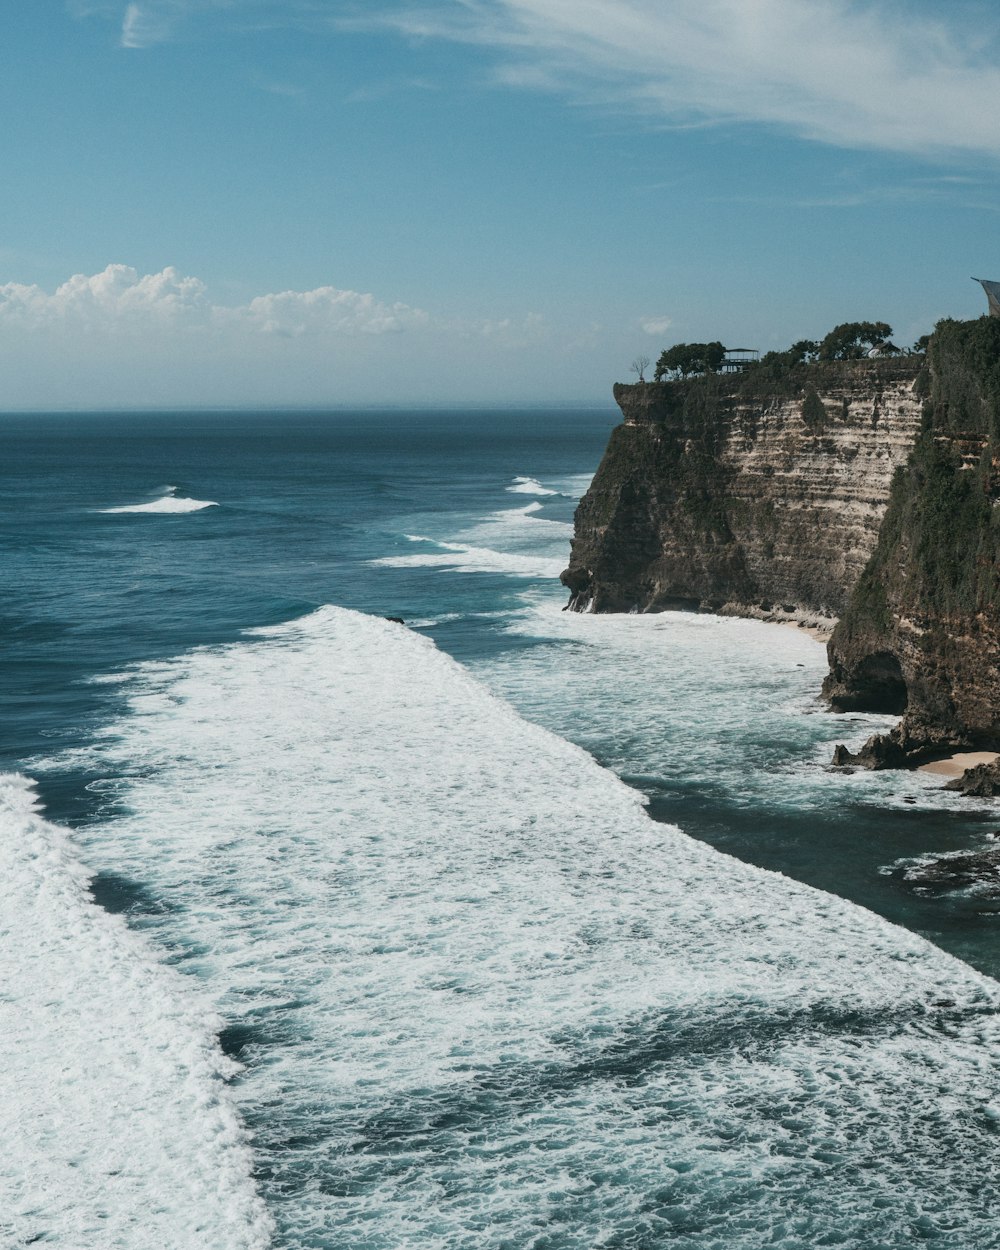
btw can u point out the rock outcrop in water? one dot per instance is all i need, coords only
(750, 495)
(867, 491)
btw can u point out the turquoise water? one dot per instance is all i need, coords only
(383, 958)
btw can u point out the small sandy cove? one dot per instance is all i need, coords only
(955, 765)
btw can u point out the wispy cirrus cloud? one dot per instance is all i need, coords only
(873, 74)
(876, 75)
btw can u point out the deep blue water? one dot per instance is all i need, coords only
(304, 502)
(458, 522)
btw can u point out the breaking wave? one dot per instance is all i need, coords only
(484, 1000)
(117, 1127)
(170, 502)
(462, 558)
(529, 486)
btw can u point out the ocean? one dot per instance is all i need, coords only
(505, 927)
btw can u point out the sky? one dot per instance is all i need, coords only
(476, 202)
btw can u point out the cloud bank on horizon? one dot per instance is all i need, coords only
(118, 297)
(910, 78)
(104, 324)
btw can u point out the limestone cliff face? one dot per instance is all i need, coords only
(924, 618)
(748, 495)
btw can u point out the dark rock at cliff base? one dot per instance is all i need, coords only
(394, 620)
(980, 869)
(980, 782)
(906, 746)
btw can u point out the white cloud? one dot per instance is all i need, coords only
(505, 331)
(874, 75)
(328, 310)
(119, 297)
(144, 24)
(655, 325)
(138, 340)
(116, 294)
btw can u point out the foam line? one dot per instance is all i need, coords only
(117, 1128)
(462, 558)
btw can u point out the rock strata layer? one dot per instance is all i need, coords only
(746, 495)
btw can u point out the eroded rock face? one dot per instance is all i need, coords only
(927, 606)
(746, 495)
(867, 491)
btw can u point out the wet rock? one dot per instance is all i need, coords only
(980, 782)
(957, 872)
(907, 746)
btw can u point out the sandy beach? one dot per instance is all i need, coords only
(955, 765)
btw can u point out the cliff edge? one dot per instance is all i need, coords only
(863, 494)
(755, 494)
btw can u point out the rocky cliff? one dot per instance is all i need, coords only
(921, 630)
(754, 494)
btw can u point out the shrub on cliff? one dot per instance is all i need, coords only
(813, 412)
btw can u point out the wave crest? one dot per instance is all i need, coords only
(170, 503)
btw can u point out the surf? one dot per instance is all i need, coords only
(117, 1106)
(481, 995)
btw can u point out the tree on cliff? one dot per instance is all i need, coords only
(852, 340)
(805, 351)
(683, 359)
(639, 366)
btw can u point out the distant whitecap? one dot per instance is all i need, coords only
(462, 558)
(168, 503)
(529, 486)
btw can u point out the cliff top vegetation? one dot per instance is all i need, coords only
(851, 340)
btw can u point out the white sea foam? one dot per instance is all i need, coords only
(707, 699)
(489, 1002)
(117, 1129)
(170, 502)
(526, 516)
(462, 558)
(529, 486)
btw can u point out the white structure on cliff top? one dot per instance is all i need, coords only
(992, 290)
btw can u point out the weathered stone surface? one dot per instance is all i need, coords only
(867, 491)
(904, 747)
(924, 617)
(732, 495)
(981, 782)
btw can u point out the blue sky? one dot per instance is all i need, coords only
(483, 201)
